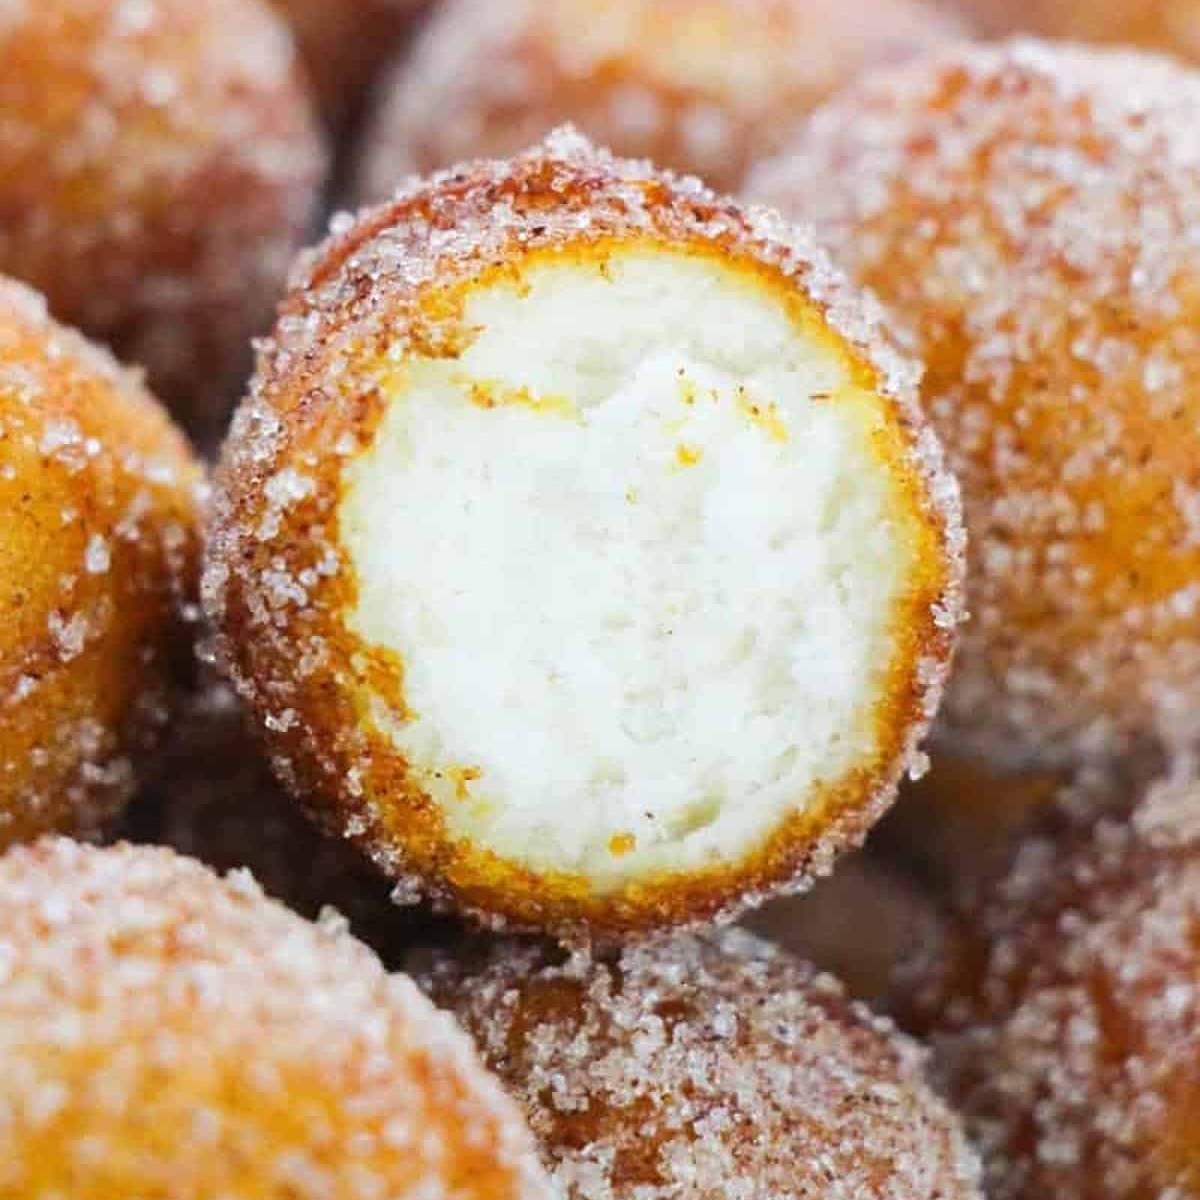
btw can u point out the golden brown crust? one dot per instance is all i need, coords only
(706, 87)
(277, 577)
(1029, 210)
(1065, 1013)
(158, 167)
(99, 553)
(707, 1068)
(171, 1035)
(344, 43)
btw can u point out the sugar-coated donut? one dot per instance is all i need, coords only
(344, 43)
(1030, 212)
(99, 554)
(213, 798)
(581, 550)
(159, 163)
(171, 1035)
(706, 1068)
(863, 925)
(703, 86)
(1066, 1019)
(1170, 25)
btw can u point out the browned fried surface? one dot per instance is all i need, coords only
(1031, 212)
(277, 581)
(1067, 1019)
(704, 86)
(158, 166)
(99, 552)
(170, 1035)
(708, 1068)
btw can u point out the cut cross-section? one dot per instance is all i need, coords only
(595, 565)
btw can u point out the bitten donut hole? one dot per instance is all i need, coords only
(636, 546)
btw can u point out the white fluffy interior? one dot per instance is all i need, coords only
(639, 621)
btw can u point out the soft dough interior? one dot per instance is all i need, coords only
(636, 549)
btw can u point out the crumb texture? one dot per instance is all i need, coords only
(470, 519)
(1030, 213)
(650, 504)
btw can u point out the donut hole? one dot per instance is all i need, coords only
(637, 550)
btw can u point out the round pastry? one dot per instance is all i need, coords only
(169, 1034)
(1066, 1021)
(706, 1068)
(706, 87)
(1030, 212)
(863, 925)
(344, 43)
(1170, 25)
(158, 166)
(581, 550)
(214, 798)
(99, 552)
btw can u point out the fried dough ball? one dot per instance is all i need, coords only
(707, 1068)
(863, 925)
(581, 550)
(216, 800)
(1170, 25)
(344, 43)
(159, 164)
(1066, 1023)
(703, 86)
(171, 1035)
(99, 553)
(1030, 211)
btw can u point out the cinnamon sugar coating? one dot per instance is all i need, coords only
(706, 87)
(1066, 1017)
(159, 165)
(1030, 211)
(720, 1069)
(172, 1035)
(277, 575)
(99, 558)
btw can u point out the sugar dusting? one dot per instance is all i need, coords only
(1032, 212)
(357, 307)
(706, 87)
(717, 1069)
(130, 495)
(158, 168)
(1067, 1025)
(167, 1032)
